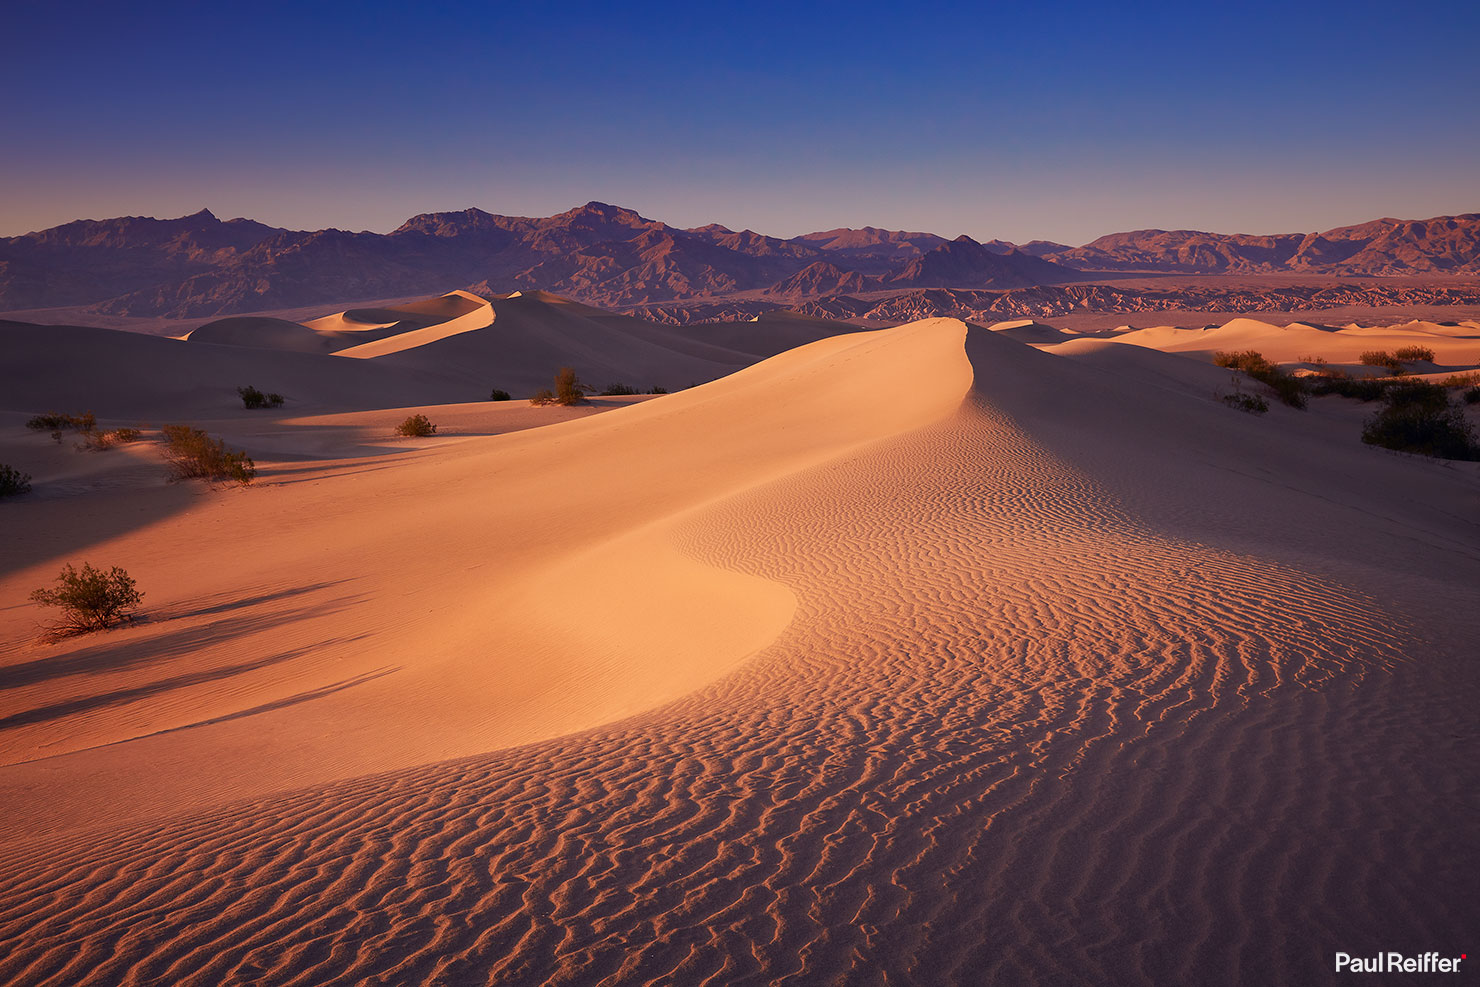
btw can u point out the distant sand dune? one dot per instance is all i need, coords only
(450, 349)
(1455, 345)
(911, 657)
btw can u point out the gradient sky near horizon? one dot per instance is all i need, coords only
(1060, 121)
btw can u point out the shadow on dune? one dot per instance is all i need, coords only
(308, 695)
(61, 532)
(282, 477)
(83, 704)
(124, 650)
(223, 603)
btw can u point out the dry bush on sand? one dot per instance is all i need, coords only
(90, 599)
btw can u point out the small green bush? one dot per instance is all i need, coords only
(1413, 354)
(194, 454)
(1250, 362)
(569, 389)
(1252, 403)
(90, 599)
(56, 423)
(1360, 388)
(101, 441)
(1288, 389)
(1416, 393)
(1384, 359)
(1417, 417)
(416, 426)
(253, 398)
(618, 390)
(13, 482)
(498, 394)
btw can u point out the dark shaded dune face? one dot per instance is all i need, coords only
(1019, 731)
(278, 334)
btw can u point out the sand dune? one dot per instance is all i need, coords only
(514, 342)
(920, 656)
(470, 317)
(1030, 331)
(529, 336)
(125, 376)
(432, 356)
(1458, 346)
(256, 331)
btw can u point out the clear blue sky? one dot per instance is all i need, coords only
(1059, 121)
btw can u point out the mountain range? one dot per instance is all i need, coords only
(198, 266)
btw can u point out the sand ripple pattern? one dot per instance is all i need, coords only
(1013, 736)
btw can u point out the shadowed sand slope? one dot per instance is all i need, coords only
(453, 348)
(264, 333)
(1080, 677)
(521, 340)
(515, 342)
(122, 374)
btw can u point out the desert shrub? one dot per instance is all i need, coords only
(13, 482)
(95, 441)
(658, 390)
(1384, 359)
(1360, 388)
(498, 394)
(416, 426)
(618, 390)
(1413, 354)
(1472, 396)
(569, 389)
(1416, 393)
(253, 398)
(1417, 417)
(1252, 403)
(1250, 362)
(56, 423)
(90, 599)
(1288, 389)
(1470, 378)
(194, 454)
(100, 441)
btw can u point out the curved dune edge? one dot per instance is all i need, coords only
(473, 313)
(477, 594)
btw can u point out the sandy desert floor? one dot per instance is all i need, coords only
(935, 655)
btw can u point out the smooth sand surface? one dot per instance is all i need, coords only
(1456, 346)
(922, 656)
